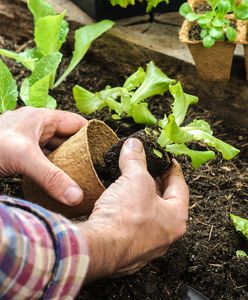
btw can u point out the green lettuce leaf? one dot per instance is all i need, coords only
(154, 3)
(181, 102)
(122, 3)
(142, 115)
(198, 158)
(135, 80)
(155, 83)
(199, 130)
(83, 40)
(185, 9)
(40, 9)
(8, 89)
(172, 133)
(241, 253)
(241, 224)
(26, 58)
(241, 11)
(87, 102)
(50, 33)
(34, 90)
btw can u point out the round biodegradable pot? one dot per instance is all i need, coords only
(213, 63)
(77, 157)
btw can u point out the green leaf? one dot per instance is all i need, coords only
(135, 80)
(8, 89)
(116, 117)
(191, 17)
(40, 8)
(38, 93)
(181, 102)
(218, 23)
(185, 9)
(34, 90)
(157, 153)
(198, 158)
(216, 33)
(83, 40)
(199, 130)
(87, 102)
(122, 3)
(241, 253)
(241, 224)
(172, 133)
(50, 33)
(24, 58)
(204, 20)
(223, 8)
(231, 34)
(154, 3)
(204, 33)
(241, 11)
(208, 41)
(142, 115)
(155, 83)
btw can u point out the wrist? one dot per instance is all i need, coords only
(105, 253)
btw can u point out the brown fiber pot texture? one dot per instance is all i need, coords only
(77, 157)
(213, 63)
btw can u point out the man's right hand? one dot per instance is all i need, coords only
(136, 219)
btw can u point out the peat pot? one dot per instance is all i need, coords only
(101, 9)
(77, 157)
(213, 63)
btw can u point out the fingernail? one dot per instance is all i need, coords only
(73, 195)
(134, 145)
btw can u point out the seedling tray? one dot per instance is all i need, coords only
(101, 9)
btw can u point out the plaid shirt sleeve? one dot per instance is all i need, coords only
(42, 254)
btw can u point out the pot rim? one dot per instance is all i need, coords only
(241, 36)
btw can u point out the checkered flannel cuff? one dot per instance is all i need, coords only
(42, 254)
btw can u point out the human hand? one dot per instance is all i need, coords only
(25, 135)
(135, 220)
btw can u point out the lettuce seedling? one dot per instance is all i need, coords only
(173, 137)
(150, 3)
(241, 225)
(129, 100)
(214, 24)
(50, 33)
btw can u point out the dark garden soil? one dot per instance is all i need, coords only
(205, 258)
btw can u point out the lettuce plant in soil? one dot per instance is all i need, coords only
(241, 225)
(166, 137)
(50, 33)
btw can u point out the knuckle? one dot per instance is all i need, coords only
(53, 179)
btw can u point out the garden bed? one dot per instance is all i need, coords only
(205, 258)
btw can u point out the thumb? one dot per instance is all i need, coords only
(132, 157)
(52, 179)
